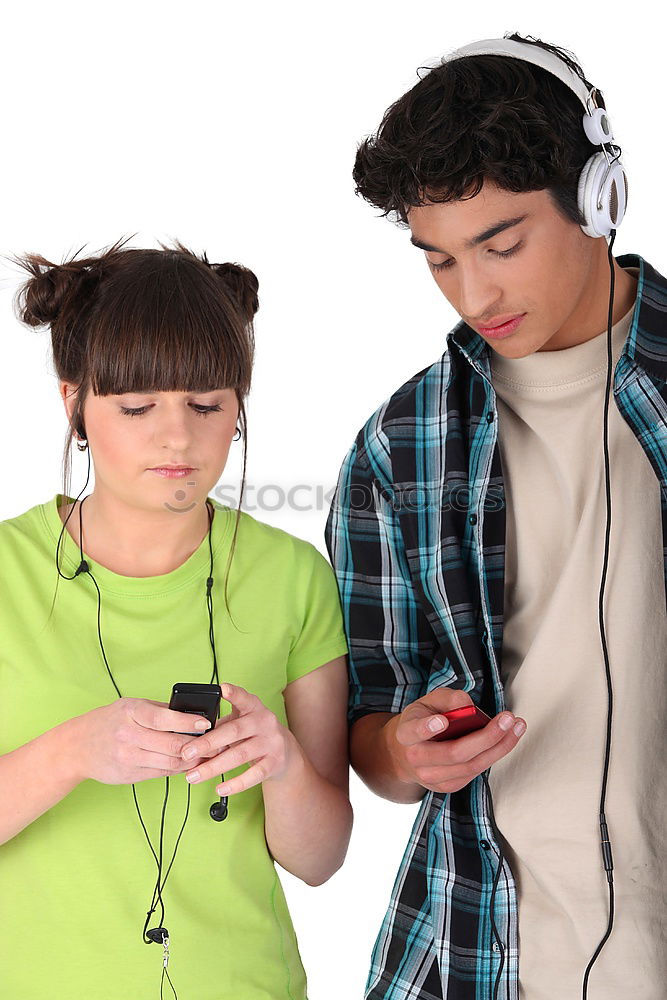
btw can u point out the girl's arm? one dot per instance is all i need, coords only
(130, 740)
(308, 812)
(303, 769)
(35, 777)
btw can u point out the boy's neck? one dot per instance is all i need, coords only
(589, 318)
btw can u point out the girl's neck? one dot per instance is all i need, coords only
(135, 542)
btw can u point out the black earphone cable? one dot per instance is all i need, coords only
(84, 568)
(604, 833)
(219, 809)
(494, 889)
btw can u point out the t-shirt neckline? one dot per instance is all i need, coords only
(196, 566)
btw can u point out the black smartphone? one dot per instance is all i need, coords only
(197, 699)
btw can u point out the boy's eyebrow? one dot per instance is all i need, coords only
(498, 227)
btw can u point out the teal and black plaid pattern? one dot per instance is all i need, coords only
(416, 535)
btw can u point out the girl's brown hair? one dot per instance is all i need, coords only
(133, 320)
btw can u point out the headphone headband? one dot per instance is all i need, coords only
(533, 54)
(602, 188)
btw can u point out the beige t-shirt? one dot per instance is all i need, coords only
(546, 792)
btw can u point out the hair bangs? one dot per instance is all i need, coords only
(166, 325)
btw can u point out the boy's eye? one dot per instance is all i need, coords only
(443, 265)
(197, 407)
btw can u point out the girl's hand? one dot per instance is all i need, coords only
(250, 735)
(132, 739)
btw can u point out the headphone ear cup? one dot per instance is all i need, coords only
(601, 195)
(587, 192)
(617, 188)
(598, 127)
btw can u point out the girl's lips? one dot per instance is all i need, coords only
(503, 330)
(172, 473)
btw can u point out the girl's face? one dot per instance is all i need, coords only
(133, 434)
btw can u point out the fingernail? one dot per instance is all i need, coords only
(505, 721)
(190, 752)
(520, 728)
(202, 725)
(194, 776)
(435, 724)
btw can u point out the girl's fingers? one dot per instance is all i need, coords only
(239, 698)
(230, 759)
(227, 732)
(255, 775)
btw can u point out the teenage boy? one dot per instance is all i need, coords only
(468, 538)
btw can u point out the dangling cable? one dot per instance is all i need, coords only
(604, 833)
(159, 934)
(492, 903)
(84, 568)
(219, 810)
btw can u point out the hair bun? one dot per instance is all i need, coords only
(42, 297)
(242, 285)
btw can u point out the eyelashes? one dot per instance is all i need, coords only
(203, 411)
(446, 264)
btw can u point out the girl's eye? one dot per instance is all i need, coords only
(497, 253)
(198, 408)
(133, 413)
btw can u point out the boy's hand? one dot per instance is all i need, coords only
(450, 765)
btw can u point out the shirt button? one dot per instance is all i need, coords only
(495, 946)
(484, 844)
(490, 417)
(473, 518)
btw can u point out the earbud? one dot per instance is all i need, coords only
(158, 934)
(219, 810)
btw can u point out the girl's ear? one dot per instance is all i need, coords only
(68, 392)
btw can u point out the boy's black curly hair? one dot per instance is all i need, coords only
(473, 119)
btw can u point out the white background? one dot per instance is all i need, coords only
(233, 127)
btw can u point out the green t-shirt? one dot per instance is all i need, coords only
(76, 884)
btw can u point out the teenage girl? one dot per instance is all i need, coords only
(106, 602)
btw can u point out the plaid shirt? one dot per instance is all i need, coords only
(416, 535)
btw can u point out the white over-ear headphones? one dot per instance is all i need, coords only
(603, 186)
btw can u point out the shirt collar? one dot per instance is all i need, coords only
(646, 343)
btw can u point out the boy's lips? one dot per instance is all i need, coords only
(502, 326)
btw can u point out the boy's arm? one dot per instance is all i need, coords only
(391, 644)
(392, 648)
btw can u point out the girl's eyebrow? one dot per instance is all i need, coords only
(487, 234)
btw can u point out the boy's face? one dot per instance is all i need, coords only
(542, 268)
